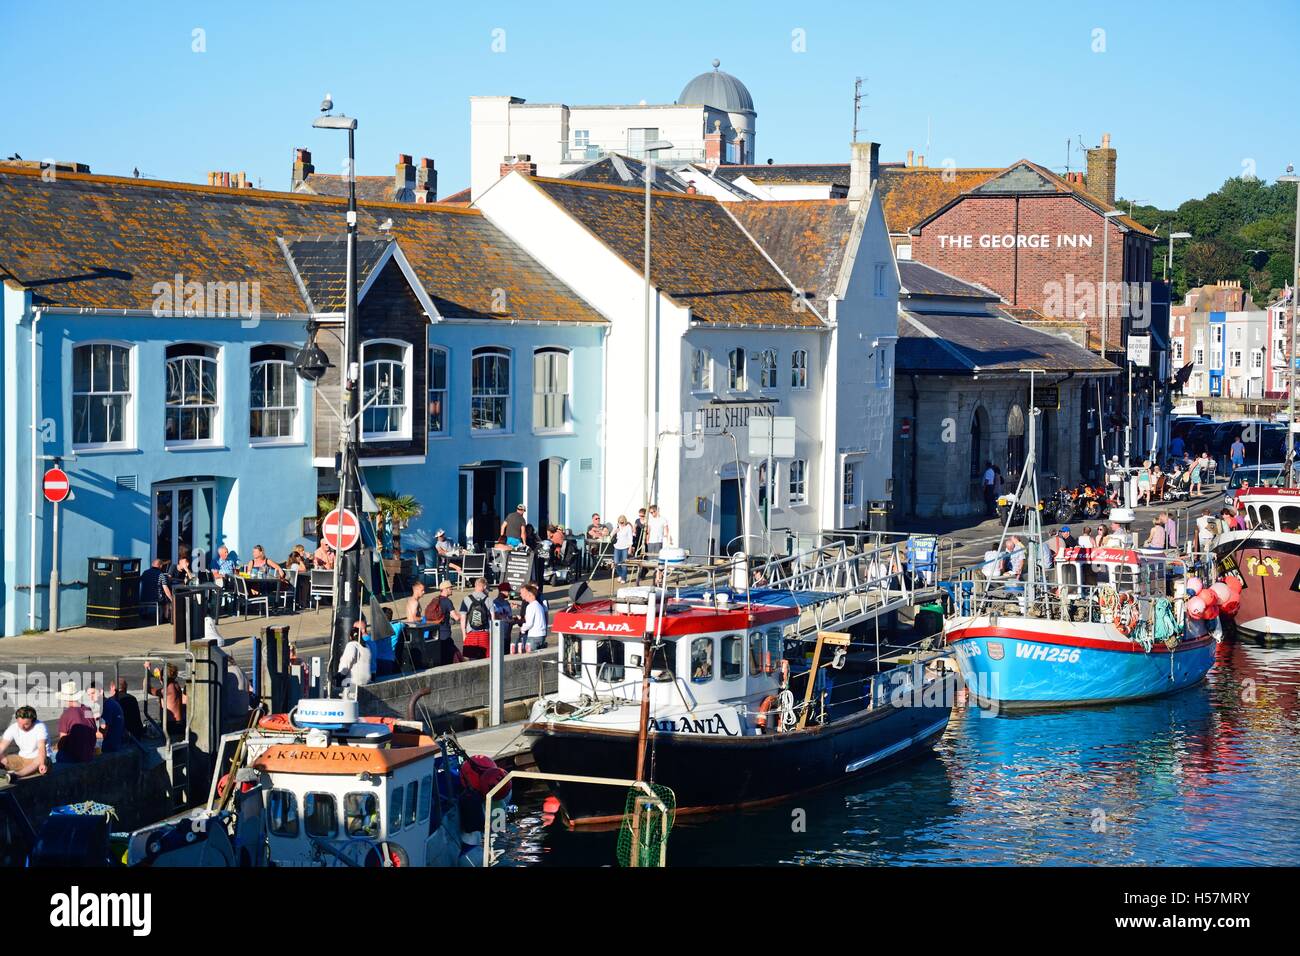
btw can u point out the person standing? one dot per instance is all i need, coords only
(75, 741)
(657, 532)
(504, 614)
(413, 610)
(513, 527)
(130, 709)
(31, 738)
(440, 612)
(1194, 479)
(990, 478)
(638, 534)
(623, 536)
(474, 616)
(112, 723)
(355, 663)
(536, 624)
(1171, 529)
(1238, 454)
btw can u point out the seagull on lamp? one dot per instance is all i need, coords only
(327, 104)
(386, 225)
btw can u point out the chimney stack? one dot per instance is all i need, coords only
(426, 181)
(403, 177)
(302, 167)
(713, 146)
(1101, 172)
(920, 160)
(909, 157)
(521, 163)
(228, 180)
(863, 171)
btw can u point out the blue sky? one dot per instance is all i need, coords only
(117, 85)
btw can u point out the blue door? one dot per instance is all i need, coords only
(729, 516)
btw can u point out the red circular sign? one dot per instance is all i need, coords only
(56, 485)
(341, 529)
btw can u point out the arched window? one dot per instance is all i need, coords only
(1015, 440)
(385, 397)
(701, 371)
(437, 390)
(191, 396)
(551, 390)
(489, 389)
(799, 368)
(767, 374)
(272, 394)
(101, 394)
(736, 370)
(978, 437)
(798, 494)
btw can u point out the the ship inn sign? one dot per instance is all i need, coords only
(724, 416)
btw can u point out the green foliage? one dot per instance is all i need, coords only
(1243, 215)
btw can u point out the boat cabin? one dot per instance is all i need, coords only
(1140, 573)
(1270, 509)
(716, 657)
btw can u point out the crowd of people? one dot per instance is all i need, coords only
(92, 722)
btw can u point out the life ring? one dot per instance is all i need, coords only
(1125, 616)
(763, 709)
(279, 723)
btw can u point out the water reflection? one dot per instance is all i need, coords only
(1206, 777)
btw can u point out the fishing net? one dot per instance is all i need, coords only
(646, 823)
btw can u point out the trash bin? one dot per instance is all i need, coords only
(113, 593)
(879, 515)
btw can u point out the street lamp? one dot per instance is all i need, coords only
(652, 422)
(347, 596)
(1169, 260)
(1291, 177)
(1105, 291)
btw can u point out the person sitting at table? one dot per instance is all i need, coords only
(227, 563)
(555, 534)
(297, 558)
(323, 557)
(263, 567)
(183, 575)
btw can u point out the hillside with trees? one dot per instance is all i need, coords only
(1244, 230)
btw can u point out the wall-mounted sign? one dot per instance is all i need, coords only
(731, 414)
(1011, 240)
(1139, 349)
(1048, 397)
(771, 435)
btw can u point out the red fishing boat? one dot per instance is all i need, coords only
(1266, 558)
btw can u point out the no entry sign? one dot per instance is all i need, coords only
(341, 529)
(56, 485)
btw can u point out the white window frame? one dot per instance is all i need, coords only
(1198, 356)
(737, 380)
(128, 405)
(1178, 351)
(496, 351)
(799, 369)
(445, 390)
(581, 139)
(566, 404)
(884, 370)
(403, 433)
(768, 362)
(701, 370)
(214, 438)
(849, 484)
(286, 366)
(1234, 358)
(797, 478)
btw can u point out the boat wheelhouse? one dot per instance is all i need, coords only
(1265, 558)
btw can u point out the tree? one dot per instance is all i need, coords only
(397, 511)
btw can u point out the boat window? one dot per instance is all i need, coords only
(412, 801)
(320, 815)
(775, 649)
(396, 798)
(701, 660)
(571, 656)
(1123, 577)
(1266, 517)
(756, 650)
(733, 652)
(1288, 518)
(426, 797)
(361, 815)
(1253, 515)
(663, 658)
(282, 808)
(609, 660)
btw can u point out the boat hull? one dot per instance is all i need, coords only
(709, 773)
(1029, 663)
(1268, 564)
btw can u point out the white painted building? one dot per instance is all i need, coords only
(712, 121)
(758, 309)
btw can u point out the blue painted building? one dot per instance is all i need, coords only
(1217, 351)
(148, 335)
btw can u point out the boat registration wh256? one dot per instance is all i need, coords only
(1042, 652)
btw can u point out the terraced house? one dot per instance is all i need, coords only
(148, 336)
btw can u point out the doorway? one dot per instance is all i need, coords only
(730, 525)
(487, 493)
(184, 520)
(551, 503)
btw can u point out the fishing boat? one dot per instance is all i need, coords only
(1265, 559)
(321, 787)
(709, 690)
(1110, 625)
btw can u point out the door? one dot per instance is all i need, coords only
(729, 527)
(184, 519)
(465, 510)
(550, 493)
(487, 508)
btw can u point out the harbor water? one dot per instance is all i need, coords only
(1205, 777)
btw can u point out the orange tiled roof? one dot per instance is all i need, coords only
(698, 255)
(806, 238)
(908, 194)
(85, 241)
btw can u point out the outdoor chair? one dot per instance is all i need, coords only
(247, 599)
(287, 597)
(473, 566)
(322, 586)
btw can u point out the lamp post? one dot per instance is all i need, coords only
(1169, 259)
(1105, 291)
(347, 596)
(1290, 177)
(652, 423)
